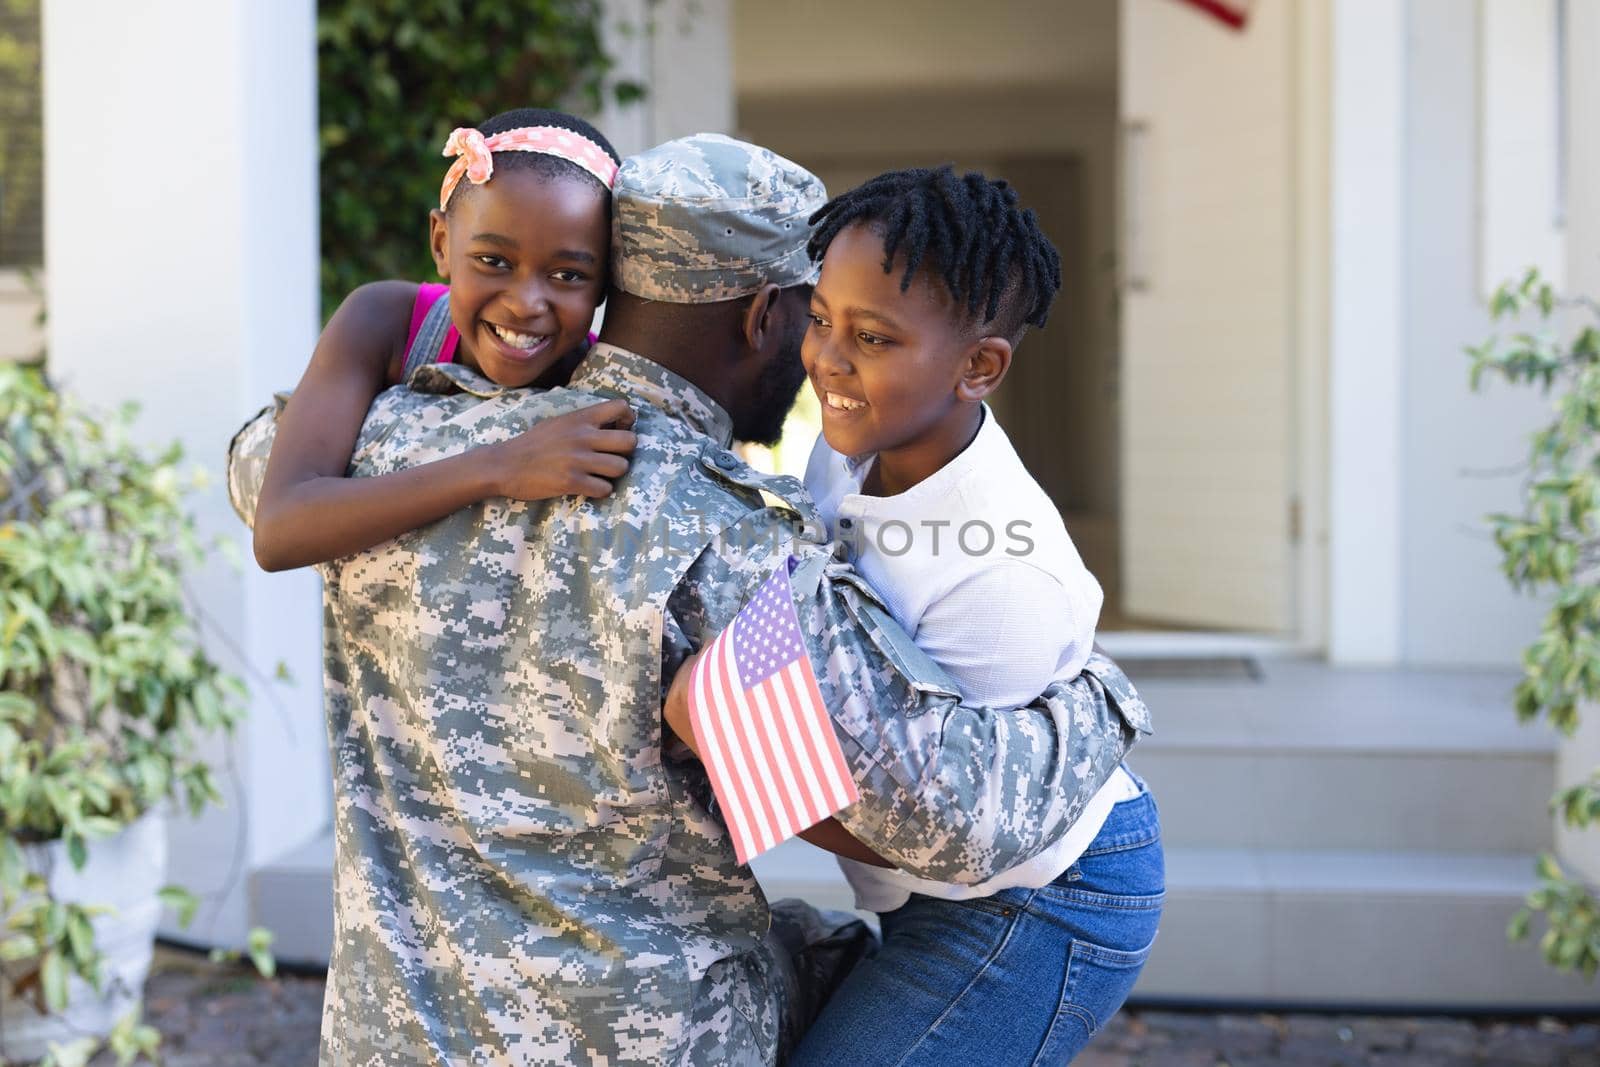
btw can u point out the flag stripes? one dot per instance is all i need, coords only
(763, 730)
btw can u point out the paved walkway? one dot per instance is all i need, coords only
(224, 1016)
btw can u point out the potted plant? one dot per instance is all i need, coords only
(1552, 545)
(105, 690)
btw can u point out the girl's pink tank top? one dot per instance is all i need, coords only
(428, 294)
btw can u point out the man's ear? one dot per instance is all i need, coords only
(760, 323)
(984, 369)
(439, 242)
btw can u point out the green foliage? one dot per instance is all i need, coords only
(105, 689)
(258, 947)
(1553, 545)
(129, 1039)
(21, 135)
(132, 1038)
(1571, 940)
(396, 76)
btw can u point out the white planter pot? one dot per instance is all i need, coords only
(124, 872)
(1576, 759)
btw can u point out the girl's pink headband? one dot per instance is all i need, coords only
(475, 153)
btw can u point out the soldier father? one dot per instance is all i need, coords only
(525, 873)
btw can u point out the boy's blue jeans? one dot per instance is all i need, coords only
(1026, 976)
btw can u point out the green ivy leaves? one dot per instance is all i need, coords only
(1552, 545)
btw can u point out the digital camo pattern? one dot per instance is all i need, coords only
(708, 218)
(247, 458)
(522, 874)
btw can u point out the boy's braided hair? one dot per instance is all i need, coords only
(989, 253)
(547, 166)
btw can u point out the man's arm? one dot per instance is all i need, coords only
(949, 791)
(247, 459)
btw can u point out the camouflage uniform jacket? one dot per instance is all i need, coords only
(522, 873)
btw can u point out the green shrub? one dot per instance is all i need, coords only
(1553, 545)
(105, 689)
(396, 76)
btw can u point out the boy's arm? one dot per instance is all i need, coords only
(309, 512)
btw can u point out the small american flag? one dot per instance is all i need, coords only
(762, 728)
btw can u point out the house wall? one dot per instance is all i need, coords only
(1456, 607)
(1413, 576)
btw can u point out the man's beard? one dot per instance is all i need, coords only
(762, 420)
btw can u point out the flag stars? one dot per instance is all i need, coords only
(766, 635)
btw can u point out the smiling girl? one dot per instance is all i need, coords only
(521, 236)
(929, 282)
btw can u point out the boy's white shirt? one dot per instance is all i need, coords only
(976, 613)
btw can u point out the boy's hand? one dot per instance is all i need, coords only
(579, 453)
(676, 709)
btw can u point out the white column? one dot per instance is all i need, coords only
(1583, 151)
(181, 250)
(691, 75)
(1580, 755)
(1365, 331)
(682, 51)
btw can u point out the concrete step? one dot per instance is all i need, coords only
(293, 897)
(1378, 930)
(1305, 756)
(1307, 928)
(1254, 927)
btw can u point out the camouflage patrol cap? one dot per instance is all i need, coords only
(706, 218)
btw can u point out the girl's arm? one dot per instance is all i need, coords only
(309, 512)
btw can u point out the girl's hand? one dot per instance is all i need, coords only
(579, 453)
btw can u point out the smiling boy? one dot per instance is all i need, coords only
(929, 281)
